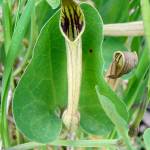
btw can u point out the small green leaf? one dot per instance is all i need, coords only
(112, 113)
(120, 124)
(146, 137)
(53, 3)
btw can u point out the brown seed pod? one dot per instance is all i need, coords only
(123, 63)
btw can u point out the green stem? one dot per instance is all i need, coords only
(34, 35)
(67, 143)
(4, 125)
(145, 60)
(7, 25)
(38, 2)
(140, 113)
(7, 41)
(24, 63)
(145, 5)
(18, 11)
(112, 134)
(132, 90)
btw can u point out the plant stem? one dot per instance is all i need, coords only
(145, 5)
(142, 108)
(139, 116)
(78, 143)
(4, 125)
(7, 25)
(7, 41)
(18, 11)
(38, 2)
(34, 35)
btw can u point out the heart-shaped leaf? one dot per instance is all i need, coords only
(43, 86)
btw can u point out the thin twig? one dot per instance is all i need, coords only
(124, 29)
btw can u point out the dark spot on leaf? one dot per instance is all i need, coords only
(90, 50)
(14, 136)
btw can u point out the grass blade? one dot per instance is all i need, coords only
(11, 56)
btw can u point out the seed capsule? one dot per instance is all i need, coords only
(123, 63)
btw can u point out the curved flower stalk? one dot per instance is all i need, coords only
(72, 26)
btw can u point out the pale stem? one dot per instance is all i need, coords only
(124, 29)
(113, 83)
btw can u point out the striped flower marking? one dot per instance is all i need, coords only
(72, 19)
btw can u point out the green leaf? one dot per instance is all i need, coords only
(136, 44)
(110, 11)
(135, 85)
(14, 49)
(146, 137)
(135, 5)
(42, 86)
(93, 118)
(7, 23)
(120, 124)
(2, 54)
(53, 3)
(43, 17)
(16, 41)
